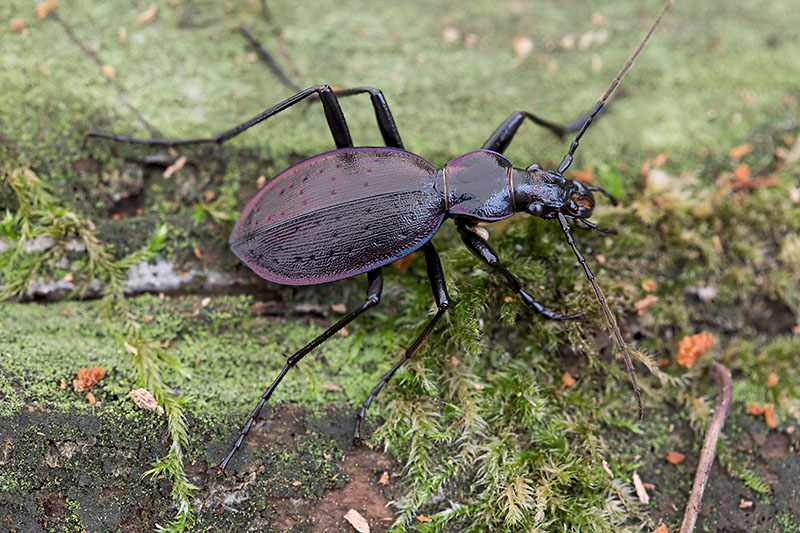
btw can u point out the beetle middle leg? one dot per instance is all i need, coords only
(374, 289)
(483, 251)
(436, 277)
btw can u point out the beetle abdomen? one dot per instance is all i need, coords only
(339, 214)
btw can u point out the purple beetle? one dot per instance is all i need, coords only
(354, 210)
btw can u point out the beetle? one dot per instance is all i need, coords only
(354, 210)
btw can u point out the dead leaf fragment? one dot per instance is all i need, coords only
(330, 387)
(16, 25)
(660, 159)
(358, 522)
(759, 182)
(692, 347)
(90, 398)
(339, 308)
(649, 285)
(148, 15)
(174, 167)
(109, 72)
(741, 173)
(745, 504)
(598, 19)
(607, 469)
(423, 518)
(522, 45)
(769, 416)
(641, 492)
(755, 409)
(675, 457)
(738, 152)
(662, 528)
(645, 303)
(450, 35)
(87, 377)
(384, 480)
(772, 379)
(145, 399)
(44, 9)
(568, 380)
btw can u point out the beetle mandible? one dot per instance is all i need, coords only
(354, 210)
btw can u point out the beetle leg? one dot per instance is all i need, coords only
(267, 58)
(374, 288)
(330, 104)
(436, 277)
(382, 113)
(478, 246)
(501, 138)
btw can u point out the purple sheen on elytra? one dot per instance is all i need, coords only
(311, 231)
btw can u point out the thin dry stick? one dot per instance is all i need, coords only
(722, 376)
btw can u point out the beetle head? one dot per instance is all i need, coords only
(548, 193)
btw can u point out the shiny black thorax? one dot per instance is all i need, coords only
(484, 186)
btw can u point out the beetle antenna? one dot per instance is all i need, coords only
(602, 299)
(592, 226)
(605, 193)
(567, 161)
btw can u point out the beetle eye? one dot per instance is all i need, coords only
(535, 209)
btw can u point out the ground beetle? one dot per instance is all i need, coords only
(354, 210)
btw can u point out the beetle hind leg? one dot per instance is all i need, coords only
(330, 104)
(374, 289)
(483, 251)
(436, 276)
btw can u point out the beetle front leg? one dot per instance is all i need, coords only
(503, 135)
(436, 277)
(483, 251)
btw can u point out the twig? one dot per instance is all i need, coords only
(722, 376)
